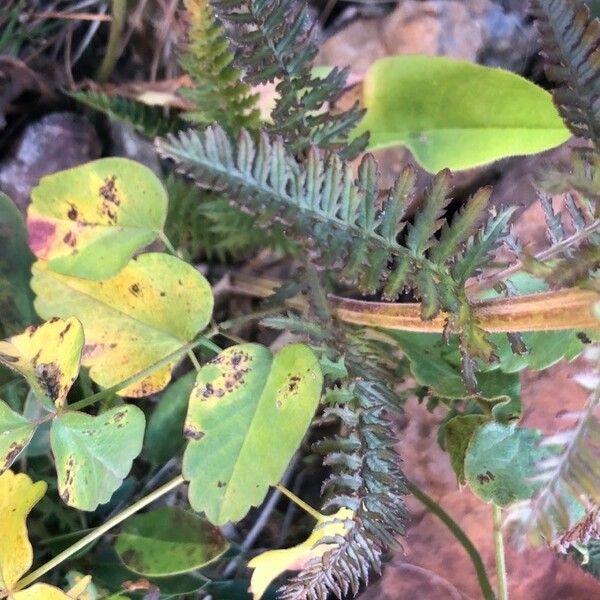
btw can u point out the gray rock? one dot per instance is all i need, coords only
(56, 141)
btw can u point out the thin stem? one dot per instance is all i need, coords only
(489, 282)
(194, 360)
(259, 314)
(119, 13)
(460, 535)
(167, 243)
(500, 558)
(141, 374)
(303, 505)
(94, 535)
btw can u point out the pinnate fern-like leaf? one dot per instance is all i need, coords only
(273, 39)
(150, 121)
(571, 44)
(350, 228)
(217, 91)
(568, 479)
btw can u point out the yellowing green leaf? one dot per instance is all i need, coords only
(89, 220)
(455, 114)
(269, 565)
(148, 310)
(42, 591)
(47, 356)
(18, 495)
(15, 433)
(94, 454)
(247, 415)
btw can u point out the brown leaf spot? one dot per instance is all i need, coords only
(486, 477)
(5, 358)
(65, 331)
(73, 213)
(49, 377)
(13, 452)
(135, 289)
(70, 239)
(192, 433)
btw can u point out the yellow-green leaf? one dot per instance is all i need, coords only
(94, 454)
(42, 591)
(88, 221)
(269, 565)
(156, 304)
(18, 495)
(15, 433)
(48, 356)
(247, 415)
(455, 114)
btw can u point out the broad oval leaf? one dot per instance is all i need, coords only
(15, 265)
(48, 356)
(500, 462)
(457, 433)
(454, 114)
(247, 415)
(163, 433)
(18, 495)
(169, 541)
(269, 565)
(88, 221)
(94, 454)
(15, 433)
(156, 304)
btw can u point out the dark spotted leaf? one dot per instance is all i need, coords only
(15, 433)
(151, 308)
(169, 541)
(89, 220)
(247, 415)
(48, 356)
(500, 462)
(94, 454)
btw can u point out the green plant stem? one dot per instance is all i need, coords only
(460, 535)
(167, 243)
(202, 341)
(119, 13)
(194, 360)
(299, 502)
(500, 558)
(83, 542)
(231, 323)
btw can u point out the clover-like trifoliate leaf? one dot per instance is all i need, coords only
(247, 415)
(156, 304)
(48, 356)
(169, 541)
(269, 565)
(89, 220)
(15, 433)
(18, 495)
(94, 454)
